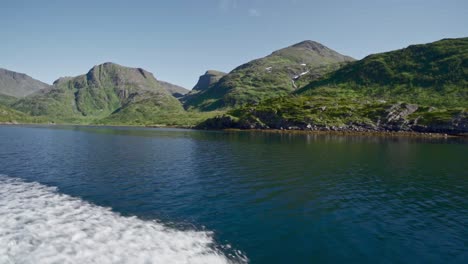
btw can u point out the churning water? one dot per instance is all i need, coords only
(39, 225)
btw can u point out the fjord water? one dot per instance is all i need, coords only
(121, 194)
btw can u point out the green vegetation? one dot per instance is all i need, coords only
(7, 100)
(420, 88)
(284, 112)
(106, 90)
(275, 75)
(11, 116)
(306, 86)
(135, 116)
(433, 74)
(338, 109)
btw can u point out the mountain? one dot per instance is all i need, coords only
(107, 89)
(18, 85)
(205, 81)
(175, 90)
(277, 74)
(422, 88)
(209, 78)
(433, 73)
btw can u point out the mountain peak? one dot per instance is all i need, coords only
(310, 45)
(107, 65)
(120, 70)
(214, 72)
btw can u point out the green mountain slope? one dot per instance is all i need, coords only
(7, 99)
(8, 115)
(105, 90)
(278, 74)
(343, 113)
(421, 88)
(18, 84)
(434, 73)
(11, 116)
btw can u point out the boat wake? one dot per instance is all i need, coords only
(40, 225)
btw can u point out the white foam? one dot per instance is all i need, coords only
(40, 225)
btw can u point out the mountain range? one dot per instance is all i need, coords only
(304, 86)
(277, 74)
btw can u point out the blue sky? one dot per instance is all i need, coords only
(178, 40)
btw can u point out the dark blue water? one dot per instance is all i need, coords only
(278, 198)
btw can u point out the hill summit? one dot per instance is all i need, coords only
(277, 74)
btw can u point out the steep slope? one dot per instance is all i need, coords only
(278, 74)
(434, 73)
(106, 89)
(175, 90)
(18, 84)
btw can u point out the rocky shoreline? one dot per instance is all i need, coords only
(396, 118)
(346, 131)
(349, 133)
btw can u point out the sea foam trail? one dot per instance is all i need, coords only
(39, 225)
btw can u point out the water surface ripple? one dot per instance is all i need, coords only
(277, 198)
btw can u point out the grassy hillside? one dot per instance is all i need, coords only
(421, 88)
(7, 99)
(105, 90)
(136, 115)
(432, 74)
(275, 75)
(11, 116)
(345, 111)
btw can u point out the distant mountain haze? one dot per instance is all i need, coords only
(176, 90)
(18, 84)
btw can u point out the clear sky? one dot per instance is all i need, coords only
(179, 40)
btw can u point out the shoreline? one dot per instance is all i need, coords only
(270, 131)
(352, 133)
